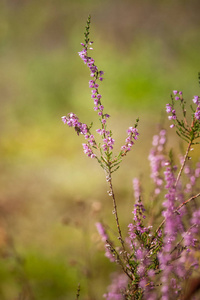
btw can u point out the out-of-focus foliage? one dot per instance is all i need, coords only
(47, 187)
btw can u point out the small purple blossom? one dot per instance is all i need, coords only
(168, 108)
(196, 99)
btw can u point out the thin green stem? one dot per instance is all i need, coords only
(78, 292)
(111, 193)
(184, 162)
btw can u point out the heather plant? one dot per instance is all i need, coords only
(155, 259)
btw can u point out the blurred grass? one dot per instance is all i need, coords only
(47, 186)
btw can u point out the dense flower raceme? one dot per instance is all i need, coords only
(170, 233)
(157, 160)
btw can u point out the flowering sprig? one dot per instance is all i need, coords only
(107, 162)
(132, 135)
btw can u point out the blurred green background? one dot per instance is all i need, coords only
(51, 195)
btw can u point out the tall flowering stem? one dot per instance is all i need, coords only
(102, 152)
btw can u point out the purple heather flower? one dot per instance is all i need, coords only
(96, 85)
(96, 101)
(195, 100)
(175, 92)
(91, 83)
(177, 98)
(64, 119)
(168, 108)
(99, 131)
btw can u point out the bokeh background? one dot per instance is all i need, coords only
(51, 194)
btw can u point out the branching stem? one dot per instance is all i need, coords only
(178, 208)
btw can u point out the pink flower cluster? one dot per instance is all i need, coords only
(132, 135)
(73, 121)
